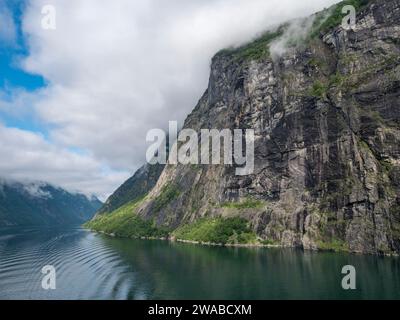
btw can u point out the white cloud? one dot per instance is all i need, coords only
(17, 102)
(119, 68)
(26, 156)
(34, 189)
(295, 33)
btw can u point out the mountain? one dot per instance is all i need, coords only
(36, 203)
(134, 188)
(325, 106)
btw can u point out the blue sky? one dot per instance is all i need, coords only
(12, 76)
(10, 53)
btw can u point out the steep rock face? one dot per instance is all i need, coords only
(326, 117)
(134, 188)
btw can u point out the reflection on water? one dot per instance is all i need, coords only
(93, 266)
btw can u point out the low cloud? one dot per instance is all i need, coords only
(34, 189)
(294, 35)
(28, 157)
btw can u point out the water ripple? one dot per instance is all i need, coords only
(92, 266)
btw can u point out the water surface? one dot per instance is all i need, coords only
(94, 266)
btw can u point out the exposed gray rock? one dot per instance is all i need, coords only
(327, 151)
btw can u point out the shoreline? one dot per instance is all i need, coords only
(240, 245)
(209, 244)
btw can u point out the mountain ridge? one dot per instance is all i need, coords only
(39, 203)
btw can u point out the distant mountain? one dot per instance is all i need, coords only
(37, 203)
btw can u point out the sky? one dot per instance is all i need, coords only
(77, 101)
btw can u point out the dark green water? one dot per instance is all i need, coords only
(93, 266)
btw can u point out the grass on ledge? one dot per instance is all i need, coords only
(169, 193)
(335, 245)
(218, 230)
(318, 90)
(323, 24)
(124, 222)
(254, 50)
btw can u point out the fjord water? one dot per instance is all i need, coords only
(94, 266)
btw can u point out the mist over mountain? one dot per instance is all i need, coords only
(39, 203)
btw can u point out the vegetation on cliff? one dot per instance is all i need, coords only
(124, 222)
(332, 17)
(168, 194)
(217, 230)
(259, 48)
(255, 50)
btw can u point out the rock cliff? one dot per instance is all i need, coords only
(326, 115)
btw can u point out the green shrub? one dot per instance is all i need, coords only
(323, 24)
(336, 80)
(167, 195)
(255, 50)
(318, 90)
(333, 245)
(124, 222)
(217, 230)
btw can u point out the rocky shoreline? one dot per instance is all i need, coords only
(232, 245)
